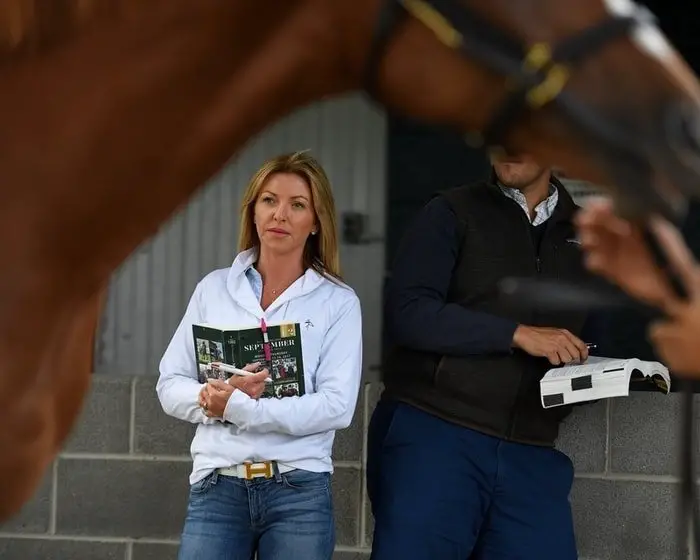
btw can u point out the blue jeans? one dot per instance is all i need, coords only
(233, 519)
(441, 491)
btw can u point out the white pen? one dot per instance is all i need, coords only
(235, 370)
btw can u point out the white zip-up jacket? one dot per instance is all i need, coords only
(295, 431)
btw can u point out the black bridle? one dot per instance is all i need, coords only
(537, 76)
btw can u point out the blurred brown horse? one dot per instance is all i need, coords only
(114, 112)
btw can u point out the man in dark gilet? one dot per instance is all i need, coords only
(461, 457)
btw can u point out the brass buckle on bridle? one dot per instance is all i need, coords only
(553, 77)
(539, 58)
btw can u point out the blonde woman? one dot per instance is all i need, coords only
(287, 270)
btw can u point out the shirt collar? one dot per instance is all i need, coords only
(543, 211)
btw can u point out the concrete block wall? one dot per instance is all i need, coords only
(625, 452)
(119, 488)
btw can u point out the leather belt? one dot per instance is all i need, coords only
(250, 470)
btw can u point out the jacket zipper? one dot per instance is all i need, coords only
(538, 269)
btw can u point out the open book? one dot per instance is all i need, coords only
(221, 350)
(600, 378)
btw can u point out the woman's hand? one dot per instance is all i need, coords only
(202, 401)
(209, 401)
(215, 394)
(252, 385)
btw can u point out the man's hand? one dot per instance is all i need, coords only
(676, 338)
(559, 346)
(616, 250)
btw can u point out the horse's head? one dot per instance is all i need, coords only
(591, 86)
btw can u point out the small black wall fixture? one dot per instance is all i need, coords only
(356, 229)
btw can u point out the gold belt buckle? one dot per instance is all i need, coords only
(263, 468)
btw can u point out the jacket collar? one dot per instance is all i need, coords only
(241, 291)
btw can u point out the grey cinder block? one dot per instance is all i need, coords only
(369, 521)
(344, 555)
(583, 436)
(348, 442)
(374, 392)
(122, 498)
(148, 551)
(346, 504)
(44, 549)
(624, 520)
(644, 433)
(154, 431)
(103, 424)
(34, 516)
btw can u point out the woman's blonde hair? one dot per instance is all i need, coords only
(321, 251)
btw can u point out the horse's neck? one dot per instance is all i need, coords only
(111, 122)
(104, 138)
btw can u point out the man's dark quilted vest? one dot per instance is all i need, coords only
(497, 394)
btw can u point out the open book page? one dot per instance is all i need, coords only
(655, 372)
(600, 378)
(594, 365)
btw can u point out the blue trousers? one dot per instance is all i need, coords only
(443, 492)
(231, 519)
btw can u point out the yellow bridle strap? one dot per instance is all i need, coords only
(434, 21)
(538, 57)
